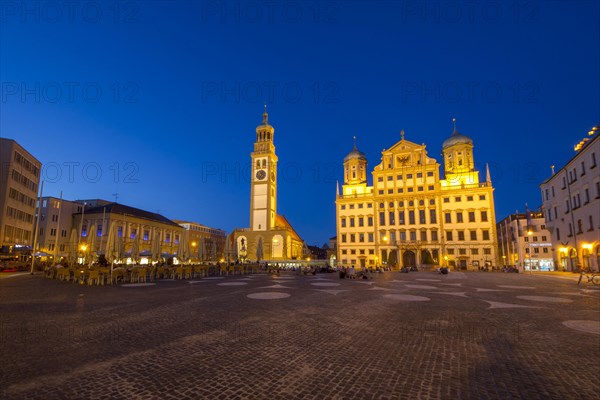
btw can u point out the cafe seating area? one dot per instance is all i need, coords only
(120, 274)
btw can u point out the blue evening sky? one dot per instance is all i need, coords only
(158, 101)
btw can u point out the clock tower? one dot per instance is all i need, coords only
(263, 188)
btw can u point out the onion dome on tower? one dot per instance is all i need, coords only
(456, 138)
(355, 166)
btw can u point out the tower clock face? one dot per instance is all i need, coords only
(260, 175)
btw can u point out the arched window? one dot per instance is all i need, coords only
(264, 164)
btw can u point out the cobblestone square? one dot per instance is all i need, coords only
(397, 336)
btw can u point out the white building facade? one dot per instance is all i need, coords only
(571, 206)
(525, 243)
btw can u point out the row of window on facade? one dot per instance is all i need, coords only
(401, 177)
(132, 235)
(25, 163)
(572, 175)
(63, 232)
(573, 203)
(579, 229)
(13, 234)
(18, 214)
(411, 203)
(23, 180)
(412, 235)
(21, 197)
(460, 251)
(402, 220)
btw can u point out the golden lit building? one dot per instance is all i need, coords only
(270, 236)
(125, 234)
(410, 216)
(571, 204)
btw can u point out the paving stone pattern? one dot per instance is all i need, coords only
(398, 336)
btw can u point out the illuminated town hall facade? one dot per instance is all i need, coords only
(410, 216)
(270, 236)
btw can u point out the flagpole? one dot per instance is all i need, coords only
(57, 228)
(36, 227)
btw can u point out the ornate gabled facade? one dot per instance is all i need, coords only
(411, 216)
(270, 236)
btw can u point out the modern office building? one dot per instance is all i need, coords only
(525, 243)
(412, 216)
(270, 236)
(19, 185)
(571, 207)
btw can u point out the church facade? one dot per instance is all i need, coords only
(270, 236)
(411, 216)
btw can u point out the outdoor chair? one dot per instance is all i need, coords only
(93, 277)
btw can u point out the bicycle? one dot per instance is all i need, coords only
(593, 277)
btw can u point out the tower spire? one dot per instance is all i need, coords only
(454, 132)
(265, 115)
(402, 134)
(354, 137)
(488, 177)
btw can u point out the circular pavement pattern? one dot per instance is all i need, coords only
(138, 284)
(215, 277)
(268, 295)
(545, 299)
(405, 297)
(325, 284)
(584, 326)
(232, 284)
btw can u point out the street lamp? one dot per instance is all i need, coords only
(83, 248)
(586, 255)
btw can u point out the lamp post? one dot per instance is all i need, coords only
(529, 233)
(193, 249)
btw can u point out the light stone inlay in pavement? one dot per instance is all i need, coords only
(458, 294)
(584, 326)
(268, 295)
(405, 297)
(325, 284)
(421, 287)
(138, 284)
(275, 287)
(232, 284)
(497, 304)
(214, 277)
(331, 291)
(545, 299)
(516, 287)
